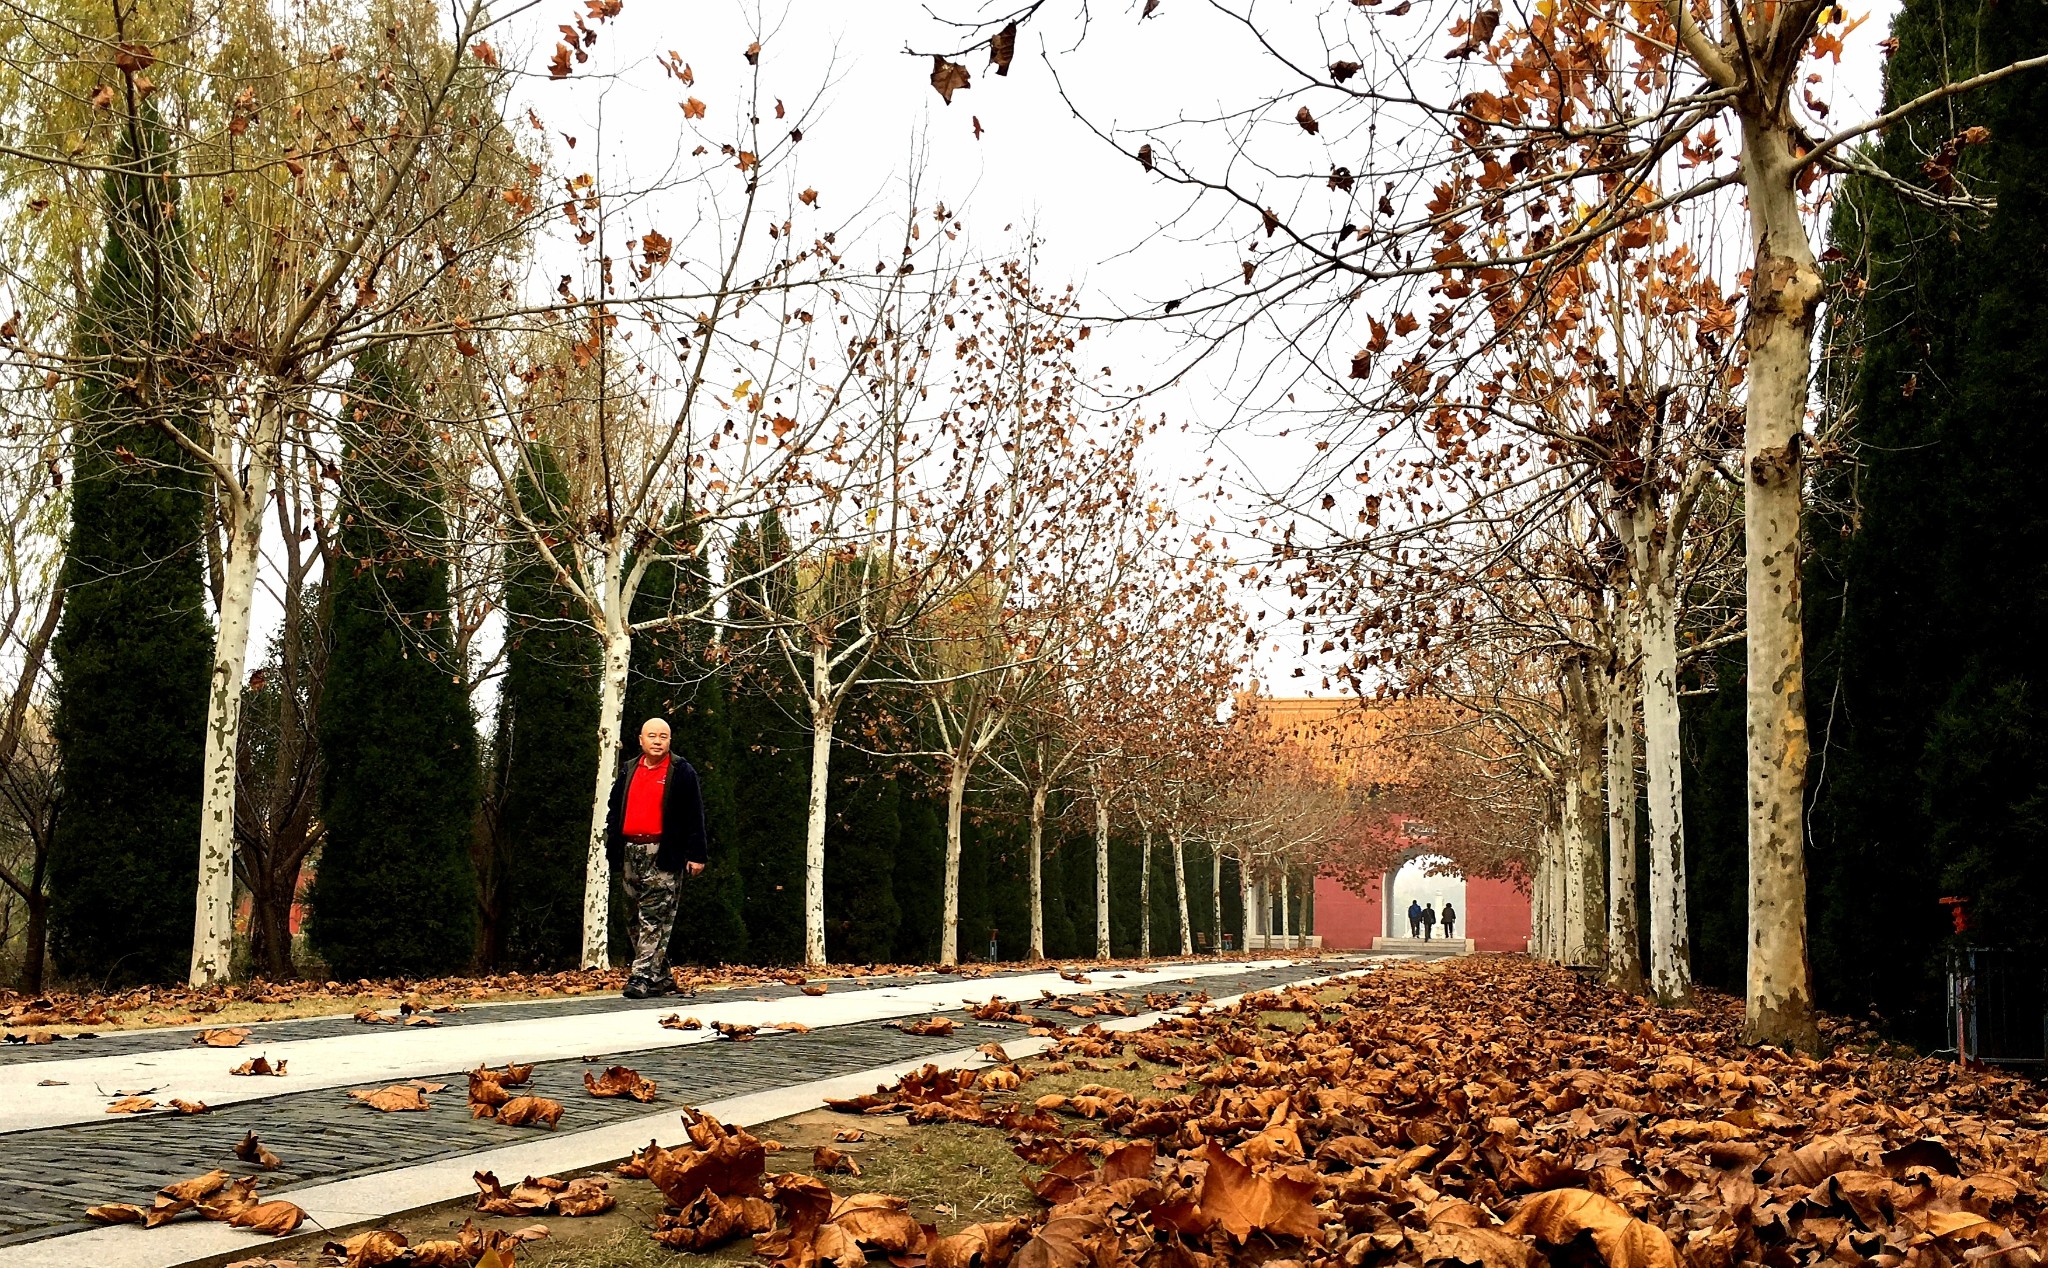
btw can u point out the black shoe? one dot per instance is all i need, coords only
(641, 988)
(663, 985)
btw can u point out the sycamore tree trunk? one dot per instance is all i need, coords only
(242, 509)
(1670, 944)
(1180, 889)
(949, 930)
(597, 867)
(1585, 932)
(824, 715)
(1038, 872)
(1101, 877)
(1145, 893)
(1785, 287)
(1286, 912)
(1624, 922)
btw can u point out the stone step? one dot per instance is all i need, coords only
(1423, 946)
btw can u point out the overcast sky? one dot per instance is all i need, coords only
(1031, 165)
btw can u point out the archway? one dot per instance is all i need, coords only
(1421, 877)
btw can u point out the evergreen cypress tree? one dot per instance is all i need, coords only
(134, 652)
(770, 769)
(920, 872)
(863, 830)
(395, 893)
(675, 676)
(1927, 576)
(546, 748)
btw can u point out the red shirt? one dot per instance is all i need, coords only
(643, 799)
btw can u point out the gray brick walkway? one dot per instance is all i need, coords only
(49, 1176)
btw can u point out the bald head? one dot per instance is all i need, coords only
(654, 739)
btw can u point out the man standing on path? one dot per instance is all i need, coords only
(654, 831)
(1414, 917)
(1428, 922)
(1450, 919)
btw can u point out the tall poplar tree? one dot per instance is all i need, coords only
(395, 893)
(676, 675)
(135, 648)
(546, 748)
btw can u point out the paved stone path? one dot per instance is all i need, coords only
(60, 1152)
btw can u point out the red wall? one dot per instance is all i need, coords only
(1496, 915)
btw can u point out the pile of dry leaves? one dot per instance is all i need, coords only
(1491, 1112)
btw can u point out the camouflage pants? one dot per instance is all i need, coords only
(651, 895)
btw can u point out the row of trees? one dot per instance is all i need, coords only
(870, 534)
(1568, 468)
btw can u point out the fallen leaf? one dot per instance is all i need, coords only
(259, 1065)
(619, 1081)
(523, 1110)
(230, 1037)
(254, 1151)
(396, 1098)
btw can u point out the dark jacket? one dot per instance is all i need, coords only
(683, 835)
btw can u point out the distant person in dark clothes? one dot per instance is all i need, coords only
(654, 832)
(1428, 922)
(1450, 919)
(1414, 918)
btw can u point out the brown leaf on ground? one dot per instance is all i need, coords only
(528, 1197)
(988, 1245)
(619, 1081)
(226, 1037)
(1560, 1215)
(371, 1017)
(929, 1026)
(711, 1220)
(586, 1195)
(734, 1031)
(252, 1150)
(259, 1065)
(816, 988)
(132, 1105)
(374, 1249)
(116, 1213)
(275, 1217)
(1245, 1203)
(721, 1160)
(179, 1106)
(827, 1159)
(537, 1110)
(393, 1099)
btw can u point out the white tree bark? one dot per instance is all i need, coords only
(1624, 925)
(1145, 893)
(597, 868)
(1784, 291)
(1180, 890)
(956, 802)
(1585, 931)
(1670, 931)
(824, 714)
(1286, 912)
(1037, 874)
(1101, 877)
(1216, 896)
(213, 924)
